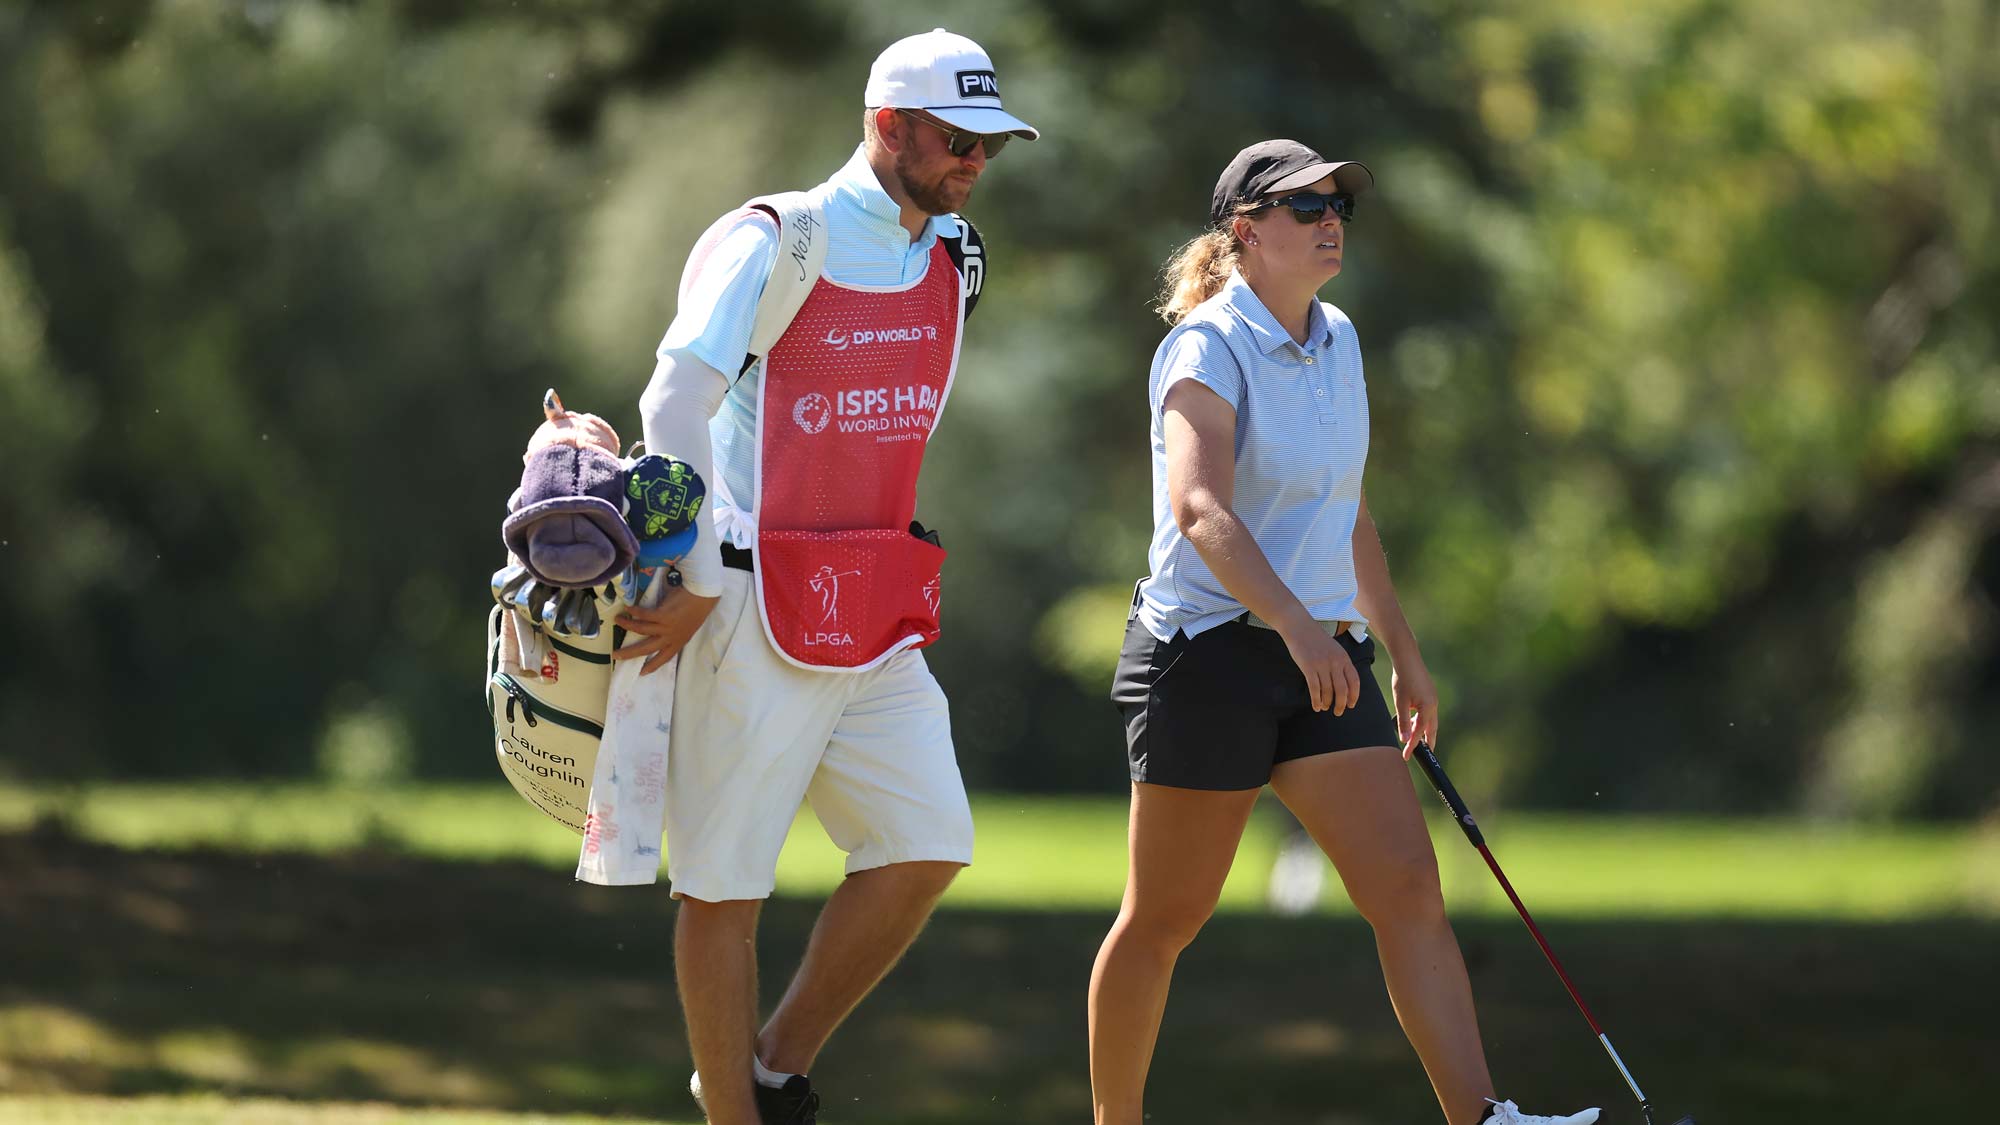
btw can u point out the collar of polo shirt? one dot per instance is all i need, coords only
(1249, 308)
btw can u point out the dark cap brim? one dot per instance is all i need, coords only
(1350, 176)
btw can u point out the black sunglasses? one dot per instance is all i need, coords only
(959, 142)
(1310, 206)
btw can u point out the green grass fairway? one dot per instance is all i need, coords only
(1069, 853)
(221, 980)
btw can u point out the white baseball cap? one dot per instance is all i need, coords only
(948, 76)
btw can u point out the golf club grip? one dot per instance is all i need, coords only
(1434, 770)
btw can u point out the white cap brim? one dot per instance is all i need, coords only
(984, 119)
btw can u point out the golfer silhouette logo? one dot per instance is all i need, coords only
(934, 593)
(827, 585)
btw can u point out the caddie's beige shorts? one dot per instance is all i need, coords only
(754, 736)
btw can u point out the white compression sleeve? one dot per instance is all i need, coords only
(673, 414)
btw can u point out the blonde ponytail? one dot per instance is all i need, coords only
(1196, 272)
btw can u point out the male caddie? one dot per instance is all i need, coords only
(806, 598)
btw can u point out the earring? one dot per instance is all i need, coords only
(1249, 242)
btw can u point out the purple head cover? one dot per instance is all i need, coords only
(569, 526)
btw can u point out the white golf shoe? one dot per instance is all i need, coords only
(1507, 1113)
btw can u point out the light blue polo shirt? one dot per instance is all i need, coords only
(1301, 444)
(866, 247)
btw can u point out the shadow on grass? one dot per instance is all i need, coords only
(378, 977)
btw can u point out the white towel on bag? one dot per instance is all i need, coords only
(628, 789)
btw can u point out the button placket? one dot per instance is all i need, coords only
(1322, 395)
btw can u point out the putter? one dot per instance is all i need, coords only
(1435, 771)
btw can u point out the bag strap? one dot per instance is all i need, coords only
(801, 220)
(968, 253)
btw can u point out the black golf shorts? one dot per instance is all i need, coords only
(1220, 710)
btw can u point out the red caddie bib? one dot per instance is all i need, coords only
(845, 410)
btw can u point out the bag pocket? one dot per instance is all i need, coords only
(547, 732)
(844, 599)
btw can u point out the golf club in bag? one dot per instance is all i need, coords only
(1435, 771)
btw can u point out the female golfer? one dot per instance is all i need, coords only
(1247, 658)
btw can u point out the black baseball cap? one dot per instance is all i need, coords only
(1274, 166)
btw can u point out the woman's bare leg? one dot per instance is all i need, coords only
(1362, 809)
(1182, 842)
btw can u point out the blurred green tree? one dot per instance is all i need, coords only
(1679, 320)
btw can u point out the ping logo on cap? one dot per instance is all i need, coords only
(978, 84)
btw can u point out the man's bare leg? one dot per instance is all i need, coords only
(871, 918)
(715, 963)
